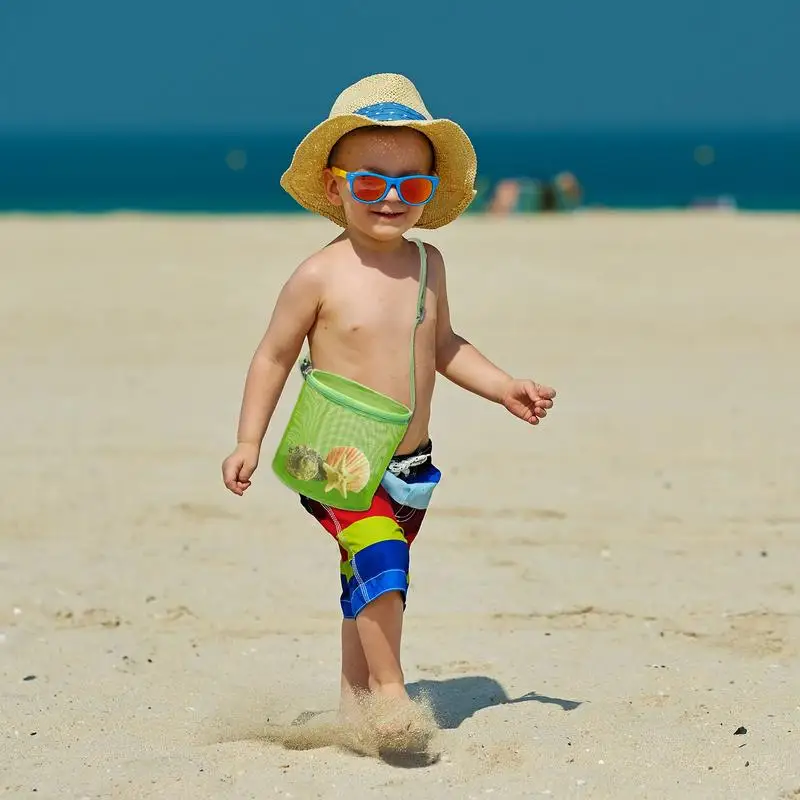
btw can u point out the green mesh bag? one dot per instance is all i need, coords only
(341, 434)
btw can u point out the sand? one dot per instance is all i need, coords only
(597, 605)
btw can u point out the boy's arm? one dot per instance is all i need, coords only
(457, 359)
(292, 318)
(463, 364)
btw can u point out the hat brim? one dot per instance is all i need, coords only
(456, 166)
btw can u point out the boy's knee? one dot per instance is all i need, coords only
(378, 601)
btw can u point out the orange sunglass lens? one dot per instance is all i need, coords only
(368, 187)
(416, 190)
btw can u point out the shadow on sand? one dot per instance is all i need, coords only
(456, 699)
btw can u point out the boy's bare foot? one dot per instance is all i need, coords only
(397, 724)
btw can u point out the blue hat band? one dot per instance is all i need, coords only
(388, 112)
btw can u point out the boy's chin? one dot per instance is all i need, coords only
(385, 228)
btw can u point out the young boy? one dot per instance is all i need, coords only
(354, 300)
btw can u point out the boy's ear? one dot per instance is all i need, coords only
(331, 187)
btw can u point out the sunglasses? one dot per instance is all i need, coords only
(372, 187)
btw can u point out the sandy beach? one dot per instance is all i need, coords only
(606, 606)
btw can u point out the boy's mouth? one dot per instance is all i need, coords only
(389, 214)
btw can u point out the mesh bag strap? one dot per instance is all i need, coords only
(423, 285)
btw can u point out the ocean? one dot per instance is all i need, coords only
(235, 172)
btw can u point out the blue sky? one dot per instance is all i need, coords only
(94, 64)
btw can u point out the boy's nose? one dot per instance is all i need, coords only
(393, 196)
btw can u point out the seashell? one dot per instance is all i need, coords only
(304, 464)
(347, 470)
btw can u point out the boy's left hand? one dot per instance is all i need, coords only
(528, 400)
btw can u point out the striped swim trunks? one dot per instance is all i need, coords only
(374, 544)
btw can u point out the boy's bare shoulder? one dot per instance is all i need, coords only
(312, 271)
(434, 254)
(318, 265)
(435, 261)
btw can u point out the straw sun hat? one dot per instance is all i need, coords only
(388, 100)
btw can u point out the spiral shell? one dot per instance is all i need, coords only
(304, 463)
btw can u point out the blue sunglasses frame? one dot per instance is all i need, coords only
(390, 182)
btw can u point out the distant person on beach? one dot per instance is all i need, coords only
(515, 195)
(563, 193)
(378, 166)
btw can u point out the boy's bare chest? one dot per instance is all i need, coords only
(385, 313)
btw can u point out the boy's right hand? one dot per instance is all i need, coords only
(239, 466)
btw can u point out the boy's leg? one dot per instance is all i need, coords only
(380, 627)
(355, 669)
(374, 581)
(380, 621)
(374, 550)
